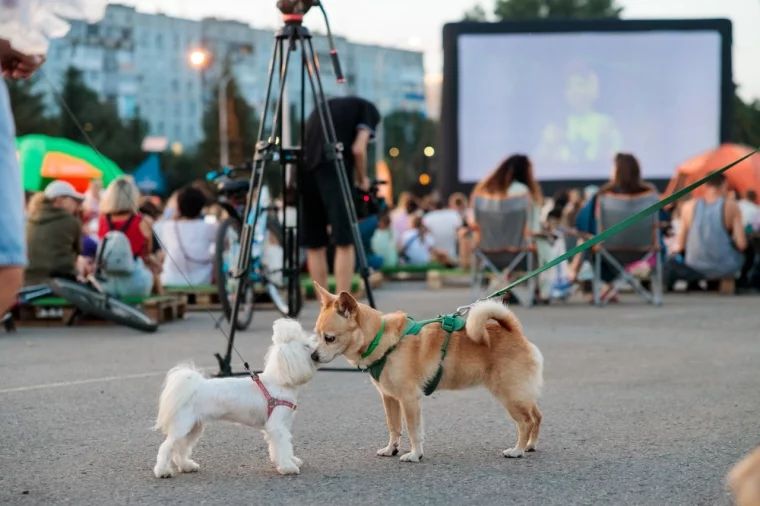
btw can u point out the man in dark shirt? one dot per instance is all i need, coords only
(355, 120)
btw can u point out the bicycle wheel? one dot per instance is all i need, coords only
(225, 261)
(283, 289)
(102, 305)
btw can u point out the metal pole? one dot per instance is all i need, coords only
(287, 139)
(224, 147)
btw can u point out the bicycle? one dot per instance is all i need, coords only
(271, 259)
(89, 299)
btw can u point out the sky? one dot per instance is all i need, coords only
(418, 24)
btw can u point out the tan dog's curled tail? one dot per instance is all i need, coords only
(486, 310)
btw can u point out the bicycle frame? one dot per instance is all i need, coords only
(258, 243)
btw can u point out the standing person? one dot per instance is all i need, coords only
(14, 65)
(322, 205)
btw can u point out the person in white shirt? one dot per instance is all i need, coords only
(444, 225)
(418, 246)
(749, 208)
(188, 241)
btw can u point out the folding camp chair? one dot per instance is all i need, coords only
(637, 242)
(504, 243)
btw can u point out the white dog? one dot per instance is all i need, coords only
(265, 402)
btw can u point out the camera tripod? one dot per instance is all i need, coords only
(288, 39)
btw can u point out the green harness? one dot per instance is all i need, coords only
(449, 323)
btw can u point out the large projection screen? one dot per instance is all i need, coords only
(571, 94)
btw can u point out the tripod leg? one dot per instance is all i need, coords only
(263, 152)
(328, 128)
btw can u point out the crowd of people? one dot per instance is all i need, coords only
(141, 245)
(703, 239)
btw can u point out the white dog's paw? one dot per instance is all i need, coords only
(162, 472)
(188, 466)
(388, 451)
(298, 462)
(411, 457)
(288, 469)
(513, 453)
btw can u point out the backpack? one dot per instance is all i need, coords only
(115, 252)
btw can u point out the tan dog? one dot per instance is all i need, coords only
(744, 480)
(494, 354)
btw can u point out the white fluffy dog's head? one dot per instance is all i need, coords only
(288, 360)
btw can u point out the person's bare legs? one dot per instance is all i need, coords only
(345, 258)
(11, 279)
(317, 262)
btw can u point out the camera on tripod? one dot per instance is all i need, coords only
(369, 203)
(296, 6)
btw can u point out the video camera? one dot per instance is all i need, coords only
(369, 203)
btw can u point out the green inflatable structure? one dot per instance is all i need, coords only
(44, 159)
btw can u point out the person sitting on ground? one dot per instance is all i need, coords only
(119, 212)
(384, 241)
(54, 234)
(711, 239)
(444, 225)
(419, 246)
(401, 216)
(189, 241)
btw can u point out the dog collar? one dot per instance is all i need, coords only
(375, 341)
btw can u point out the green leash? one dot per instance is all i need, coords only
(454, 322)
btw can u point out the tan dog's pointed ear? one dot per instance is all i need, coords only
(325, 297)
(346, 305)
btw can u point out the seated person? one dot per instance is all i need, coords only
(711, 239)
(384, 241)
(444, 225)
(626, 180)
(189, 242)
(119, 211)
(53, 234)
(419, 246)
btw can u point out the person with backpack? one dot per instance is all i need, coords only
(125, 255)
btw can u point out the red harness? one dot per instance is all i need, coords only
(271, 401)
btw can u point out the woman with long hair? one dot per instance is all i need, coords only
(624, 180)
(514, 176)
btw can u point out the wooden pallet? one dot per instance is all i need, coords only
(162, 309)
(165, 309)
(197, 299)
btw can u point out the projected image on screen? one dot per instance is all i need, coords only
(571, 101)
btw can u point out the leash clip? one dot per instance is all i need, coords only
(463, 310)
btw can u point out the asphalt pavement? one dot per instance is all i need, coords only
(642, 406)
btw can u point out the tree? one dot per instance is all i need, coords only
(29, 109)
(746, 122)
(242, 128)
(575, 9)
(82, 109)
(409, 133)
(477, 13)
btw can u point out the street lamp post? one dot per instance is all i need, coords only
(200, 59)
(224, 146)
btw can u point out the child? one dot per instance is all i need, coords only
(554, 283)
(384, 241)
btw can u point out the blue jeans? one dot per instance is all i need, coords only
(12, 241)
(367, 229)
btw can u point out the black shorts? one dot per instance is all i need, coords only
(322, 205)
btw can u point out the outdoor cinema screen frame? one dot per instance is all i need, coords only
(449, 179)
